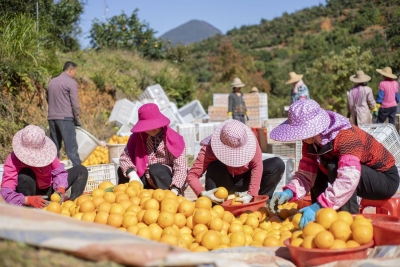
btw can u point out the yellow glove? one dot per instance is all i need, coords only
(374, 109)
(378, 105)
(230, 115)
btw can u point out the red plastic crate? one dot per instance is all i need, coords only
(256, 203)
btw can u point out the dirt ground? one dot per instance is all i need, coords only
(13, 254)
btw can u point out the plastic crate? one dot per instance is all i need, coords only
(100, 173)
(125, 130)
(172, 116)
(387, 135)
(197, 148)
(218, 113)
(220, 100)
(204, 130)
(121, 112)
(270, 124)
(283, 149)
(161, 101)
(134, 116)
(115, 151)
(287, 174)
(87, 143)
(299, 154)
(1, 173)
(192, 111)
(152, 92)
(188, 131)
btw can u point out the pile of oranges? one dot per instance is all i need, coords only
(98, 156)
(334, 230)
(162, 216)
(115, 139)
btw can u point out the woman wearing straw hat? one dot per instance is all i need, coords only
(232, 158)
(299, 89)
(155, 154)
(360, 99)
(339, 162)
(388, 96)
(254, 90)
(236, 106)
(32, 172)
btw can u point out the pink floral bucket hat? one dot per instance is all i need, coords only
(150, 118)
(305, 119)
(233, 143)
(33, 147)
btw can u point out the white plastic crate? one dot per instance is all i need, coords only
(172, 116)
(100, 173)
(1, 173)
(204, 130)
(197, 148)
(115, 151)
(161, 101)
(387, 135)
(125, 130)
(152, 92)
(287, 174)
(299, 154)
(220, 100)
(270, 124)
(87, 143)
(134, 115)
(192, 111)
(188, 131)
(121, 112)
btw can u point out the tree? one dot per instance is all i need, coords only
(329, 76)
(123, 32)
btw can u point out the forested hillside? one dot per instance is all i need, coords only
(325, 43)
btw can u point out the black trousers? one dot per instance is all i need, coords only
(160, 175)
(239, 118)
(77, 178)
(65, 130)
(383, 113)
(373, 185)
(218, 175)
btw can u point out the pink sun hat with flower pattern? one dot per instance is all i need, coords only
(233, 143)
(305, 119)
(33, 147)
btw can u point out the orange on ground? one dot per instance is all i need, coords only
(202, 216)
(133, 229)
(166, 219)
(228, 216)
(129, 220)
(216, 224)
(104, 206)
(109, 197)
(180, 220)
(55, 197)
(151, 204)
(144, 232)
(97, 201)
(87, 206)
(106, 184)
(219, 209)
(199, 249)
(156, 231)
(150, 216)
(54, 207)
(199, 228)
(88, 217)
(101, 217)
(131, 192)
(252, 222)
(159, 195)
(271, 241)
(186, 207)
(169, 207)
(115, 220)
(117, 209)
(98, 193)
(211, 240)
(203, 203)
(238, 237)
(170, 231)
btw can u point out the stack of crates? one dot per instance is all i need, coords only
(192, 112)
(287, 174)
(155, 94)
(121, 112)
(188, 131)
(283, 149)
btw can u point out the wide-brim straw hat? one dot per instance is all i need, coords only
(33, 147)
(237, 83)
(150, 118)
(305, 119)
(360, 77)
(254, 89)
(294, 77)
(387, 72)
(233, 143)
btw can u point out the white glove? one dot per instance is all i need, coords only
(244, 197)
(175, 191)
(134, 177)
(210, 195)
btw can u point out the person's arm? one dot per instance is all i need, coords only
(12, 197)
(73, 94)
(370, 99)
(381, 95)
(397, 97)
(125, 162)
(10, 181)
(59, 175)
(306, 92)
(180, 171)
(348, 177)
(256, 165)
(200, 165)
(293, 96)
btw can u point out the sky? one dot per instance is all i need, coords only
(164, 15)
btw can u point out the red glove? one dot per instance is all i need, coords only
(38, 202)
(61, 192)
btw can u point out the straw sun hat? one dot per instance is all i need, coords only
(360, 77)
(387, 72)
(237, 83)
(33, 147)
(294, 77)
(254, 89)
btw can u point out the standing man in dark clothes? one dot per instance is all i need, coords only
(236, 106)
(62, 96)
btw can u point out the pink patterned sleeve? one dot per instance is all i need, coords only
(125, 161)
(303, 180)
(12, 197)
(348, 177)
(180, 170)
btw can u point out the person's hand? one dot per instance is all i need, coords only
(280, 198)
(244, 197)
(375, 111)
(309, 214)
(175, 190)
(77, 122)
(211, 196)
(230, 115)
(38, 202)
(61, 192)
(247, 115)
(134, 177)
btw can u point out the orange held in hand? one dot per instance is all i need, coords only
(221, 193)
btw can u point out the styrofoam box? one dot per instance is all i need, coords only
(100, 173)
(203, 130)
(161, 101)
(218, 113)
(152, 92)
(134, 116)
(188, 131)
(121, 112)
(87, 143)
(260, 99)
(254, 122)
(125, 130)
(287, 174)
(258, 112)
(193, 110)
